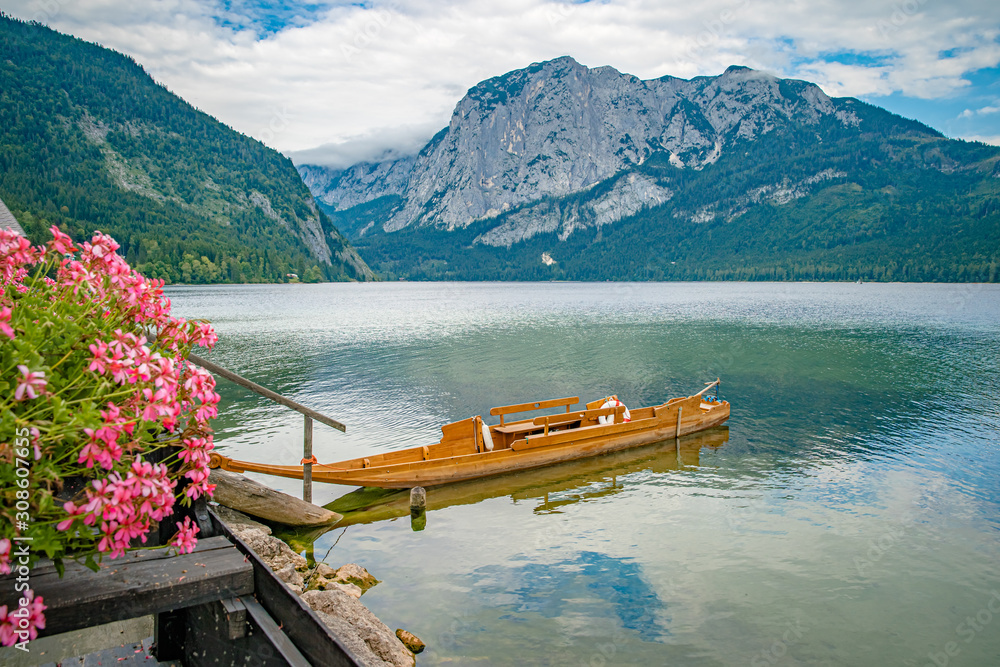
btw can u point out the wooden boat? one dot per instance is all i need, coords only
(470, 448)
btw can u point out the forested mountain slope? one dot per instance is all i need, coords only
(89, 141)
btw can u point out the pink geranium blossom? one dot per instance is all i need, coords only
(30, 385)
(5, 327)
(10, 627)
(61, 243)
(4, 556)
(185, 540)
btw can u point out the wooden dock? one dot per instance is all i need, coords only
(218, 605)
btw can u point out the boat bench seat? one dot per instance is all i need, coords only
(523, 427)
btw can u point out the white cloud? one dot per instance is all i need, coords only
(984, 111)
(358, 75)
(994, 139)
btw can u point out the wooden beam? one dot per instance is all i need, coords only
(537, 405)
(265, 392)
(311, 636)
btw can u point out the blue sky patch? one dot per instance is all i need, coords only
(266, 18)
(860, 58)
(970, 112)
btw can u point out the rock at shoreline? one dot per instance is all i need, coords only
(271, 550)
(350, 589)
(290, 576)
(410, 640)
(357, 575)
(366, 636)
(238, 522)
(349, 578)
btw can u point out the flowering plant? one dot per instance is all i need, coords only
(93, 379)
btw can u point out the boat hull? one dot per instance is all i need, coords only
(465, 460)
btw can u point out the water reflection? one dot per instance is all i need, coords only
(549, 489)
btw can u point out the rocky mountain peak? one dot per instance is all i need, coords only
(558, 127)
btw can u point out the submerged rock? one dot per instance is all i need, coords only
(366, 636)
(410, 640)
(351, 578)
(357, 575)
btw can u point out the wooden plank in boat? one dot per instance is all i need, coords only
(538, 405)
(581, 434)
(589, 415)
(517, 427)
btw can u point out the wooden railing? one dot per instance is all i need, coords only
(309, 413)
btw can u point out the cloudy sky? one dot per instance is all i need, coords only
(337, 82)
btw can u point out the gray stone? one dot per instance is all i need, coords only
(237, 521)
(271, 550)
(365, 635)
(357, 575)
(291, 576)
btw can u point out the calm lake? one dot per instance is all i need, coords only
(849, 514)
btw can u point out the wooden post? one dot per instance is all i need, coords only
(678, 433)
(418, 498)
(307, 468)
(418, 508)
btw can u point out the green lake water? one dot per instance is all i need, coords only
(849, 513)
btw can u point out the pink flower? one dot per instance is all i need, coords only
(35, 436)
(36, 621)
(5, 327)
(117, 364)
(185, 539)
(111, 540)
(103, 447)
(11, 630)
(204, 335)
(16, 252)
(73, 512)
(31, 381)
(61, 243)
(100, 351)
(74, 274)
(101, 250)
(5, 556)
(7, 622)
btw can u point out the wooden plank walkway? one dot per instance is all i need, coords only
(141, 583)
(218, 605)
